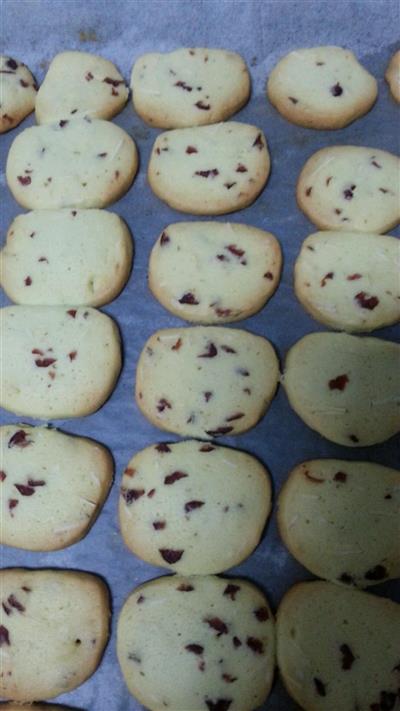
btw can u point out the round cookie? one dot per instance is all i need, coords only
(341, 520)
(72, 163)
(339, 648)
(194, 644)
(321, 87)
(67, 256)
(209, 170)
(351, 188)
(214, 272)
(349, 281)
(189, 87)
(80, 84)
(52, 486)
(54, 627)
(18, 93)
(57, 362)
(392, 76)
(206, 381)
(193, 507)
(347, 388)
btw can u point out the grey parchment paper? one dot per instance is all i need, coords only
(34, 31)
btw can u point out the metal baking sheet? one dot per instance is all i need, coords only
(34, 31)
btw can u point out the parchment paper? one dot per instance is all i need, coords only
(34, 31)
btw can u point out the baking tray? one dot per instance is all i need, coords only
(34, 31)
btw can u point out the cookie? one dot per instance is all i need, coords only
(193, 507)
(339, 648)
(351, 188)
(54, 627)
(189, 87)
(345, 387)
(197, 643)
(18, 92)
(210, 170)
(53, 486)
(321, 87)
(80, 84)
(341, 520)
(54, 257)
(349, 281)
(206, 381)
(392, 76)
(72, 163)
(214, 272)
(57, 362)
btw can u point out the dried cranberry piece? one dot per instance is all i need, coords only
(353, 277)
(219, 431)
(129, 471)
(218, 705)
(12, 503)
(12, 600)
(255, 645)
(164, 239)
(228, 678)
(159, 525)
(235, 250)
(231, 590)
(24, 179)
(327, 276)
(308, 191)
(339, 383)
(241, 168)
(171, 556)
(319, 687)
(44, 362)
(191, 149)
(377, 573)
(207, 395)
(175, 476)
(217, 624)
(346, 578)
(19, 439)
(188, 298)
(293, 100)
(151, 493)
(366, 301)
(36, 482)
(348, 194)
(207, 173)
(336, 90)
(236, 416)
(25, 490)
(12, 63)
(206, 448)
(163, 404)
(268, 275)
(203, 106)
(131, 495)
(236, 642)
(4, 636)
(184, 587)
(162, 447)
(353, 438)
(3, 475)
(6, 609)
(211, 351)
(195, 648)
(315, 479)
(89, 76)
(63, 123)
(183, 85)
(113, 82)
(258, 142)
(192, 505)
(72, 313)
(348, 657)
(387, 700)
(72, 355)
(27, 281)
(223, 312)
(262, 614)
(177, 345)
(340, 476)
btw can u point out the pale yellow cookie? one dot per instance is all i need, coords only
(392, 76)
(17, 92)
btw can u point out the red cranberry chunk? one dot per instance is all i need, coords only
(231, 590)
(336, 90)
(259, 142)
(203, 106)
(24, 179)
(213, 172)
(255, 645)
(319, 687)
(25, 490)
(217, 624)
(159, 525)
(3, 475)
(339, 383)
(131, 495)
(189, 298)
(164, 239)
(4, 636)
(163, 404)
(175, 476)
(211, 351)
(366, 301)
(183, 85)
(218, 705)
(191, 149)
(12, 600)
(348, 657)
(219, 431)
(195, 648)
(184, 587)
(162, 447)
(192, 505)
(236, 642)
(262, 614)
(44, 362)
(340, 476)
(19, 439)
(206, 448)
(377, 573)
(171, 556)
